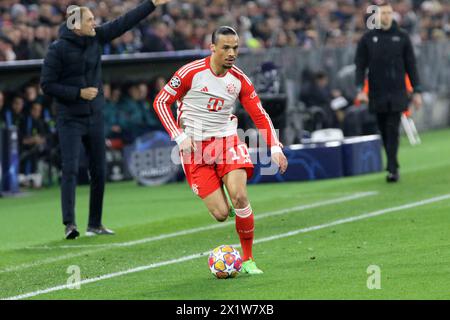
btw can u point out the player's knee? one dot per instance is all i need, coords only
(221, 218)
(240, 199)
(220, 214)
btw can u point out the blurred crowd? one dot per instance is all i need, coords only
(128, 113)
(27, 27)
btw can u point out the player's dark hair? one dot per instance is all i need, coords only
(224, 30)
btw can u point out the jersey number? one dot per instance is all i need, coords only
(244, 153)
(215, 104)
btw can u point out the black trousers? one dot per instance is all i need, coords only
(72, 132)
(388, 124)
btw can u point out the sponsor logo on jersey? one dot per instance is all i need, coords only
(205, 89)
(175, 82)
(375, 39)
(396, 38)
(195, 188)
(231, 88)
(215, 104)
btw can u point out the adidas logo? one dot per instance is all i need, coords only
(205, 89)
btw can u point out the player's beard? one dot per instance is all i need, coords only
(228, 63)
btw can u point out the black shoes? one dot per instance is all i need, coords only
(392, 177)
(71, 232)
(98, 231)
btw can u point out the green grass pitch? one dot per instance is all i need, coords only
(327, 258)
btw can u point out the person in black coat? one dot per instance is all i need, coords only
(72, 74)
(388, 54)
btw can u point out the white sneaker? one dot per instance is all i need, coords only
(91, 232)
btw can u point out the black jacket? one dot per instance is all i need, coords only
(389, 56)
(74, 62)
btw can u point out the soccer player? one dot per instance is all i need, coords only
(212, 154)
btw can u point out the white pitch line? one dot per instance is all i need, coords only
(107, 276)
(175, 234)
(214, 226)
(198, 255)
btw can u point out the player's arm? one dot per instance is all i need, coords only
(173, 91)
(252, 104)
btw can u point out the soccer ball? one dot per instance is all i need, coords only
(225, 262)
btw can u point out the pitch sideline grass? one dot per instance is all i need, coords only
(419, 274)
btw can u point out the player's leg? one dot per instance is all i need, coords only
(236, 184)
(217, 204)
(205, 183)
(231, 212)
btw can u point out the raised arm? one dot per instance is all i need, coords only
(113, 29)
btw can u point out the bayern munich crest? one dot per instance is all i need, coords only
(175, 82)
(231, 88)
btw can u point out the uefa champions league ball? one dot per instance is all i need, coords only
(225, 262)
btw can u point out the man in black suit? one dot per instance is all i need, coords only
(71, 73)
(388, 54)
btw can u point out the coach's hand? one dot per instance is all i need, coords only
(186, 144)
(160, 2)
(280, 159)
(417, 100)
(362, 97)
(88, 93)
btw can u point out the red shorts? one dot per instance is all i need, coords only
(213, 159)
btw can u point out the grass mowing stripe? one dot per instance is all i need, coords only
(179, 233)
(216, 226)
(107, 276)
(355, 218)
(47, 261)
(262, 240)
